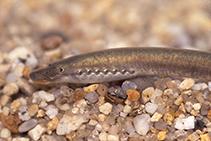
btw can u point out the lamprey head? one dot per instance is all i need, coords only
(51, 74)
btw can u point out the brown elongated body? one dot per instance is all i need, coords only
(125, 63)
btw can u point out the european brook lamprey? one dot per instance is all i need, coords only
(125, 63)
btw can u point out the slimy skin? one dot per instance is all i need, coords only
(125, 63)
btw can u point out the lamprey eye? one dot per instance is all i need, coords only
(61, 69)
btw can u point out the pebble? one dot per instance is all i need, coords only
(113, 138)
(161, 135)
(6, 111)
(147, 93)
(199, 124)
(31, 62)
(71, 136)
(16, 104)
(105, 108)
(5, 133)
(51, 111)
(194, 136)
(69, 122)
(27, 125)
(179, 100)
(156, 117)
(11, 122)
(41, 113)
(103, 136)
(45, 96)
(36, 132)
(186, 84)
(196, 106)
(26, 71)
(116, 95)
(142, 124)
(10, 88)
(18, 69)
(91, 88)
(11, 77)
(102, 89)
(78, 95)
(209, 85)
(205, 137)
(53, 54)
(33, 109)
(133, 95)
(92, 97)
(160, 125)
(4, 100)
(51, 125)
(51, 42)
(151, 108)
(209, 115)
(189, 122)
(127, 109)
(156, 93)
(25, 87)
(20, 139)
(128, 85)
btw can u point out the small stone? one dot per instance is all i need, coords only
(102, 89)
(51, 125)
(160, 125)
(178, 101)
(128, 85)
(18, 70)
(194, 136)
(40, 113)
(142, 124)
(101, 117)
(26, 71)
(133, 95)
(189, 122)
(113, 138)
(16, 104)
(51, 111)
(92, 97)
(6, 111)
(161, 135)
(179, 124)
(186, 84)
(27, 125)
(151, 108)
(11, 122)
(156, 117)
(103, 136)
(116, 95)
(196, 106)
(147, 93)
(127, 109)
(31, 62)
(169, 117)
(80, 104)
(194, 112)
(209, 85)
(105, 108)
(71, 136)
(33, 109)
(45, 96)
(209, 115)
(36, 132)
(78, 95)
(69, 122)
(205, 137)
(10, 88)
(51, 42)
(199, 124)
(11, 77)
(93, 122)
(91, 88)
(156, 93)
(5, 133)
(5, 99)
(20, 139)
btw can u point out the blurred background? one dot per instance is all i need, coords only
(88, 25)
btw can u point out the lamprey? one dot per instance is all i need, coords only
(125, 63)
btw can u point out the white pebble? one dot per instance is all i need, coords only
(189, 122)
(196, 106)
(186, 84)
(127, 109)
(105, 108)
(5, 133)
(10, 88)
(142, 124)
(31, 62)
(6, 111)
(113, 138)
(36, 132)
(46, 96)
(20, 139)
(103, 136)
(52, 111)
(155, 94)
(209, 84)
(151, 107)
(11, 77)
(179, 124)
